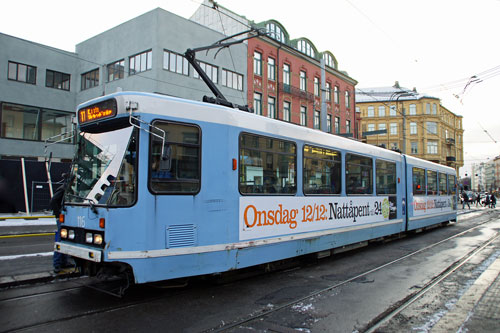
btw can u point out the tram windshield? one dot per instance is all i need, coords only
(105, 168)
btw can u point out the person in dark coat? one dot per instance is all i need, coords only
(465, 198)
(60, 260)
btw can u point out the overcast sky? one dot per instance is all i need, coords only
(433, 45)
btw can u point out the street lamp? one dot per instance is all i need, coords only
(396, 95)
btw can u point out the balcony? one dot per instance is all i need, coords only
(451, 159)
(450, 141)
(294, 91)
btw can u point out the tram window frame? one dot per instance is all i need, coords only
(418, 174)
(441, 190)
(260, 151)
(383, 170)
(452, 189)
(364, 170)
(328, 164)
(432, 182)
(171, 185)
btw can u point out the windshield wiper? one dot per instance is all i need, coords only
(92, 203)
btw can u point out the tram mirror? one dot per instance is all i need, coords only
(166, 158)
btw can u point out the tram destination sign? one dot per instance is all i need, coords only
(98, 111)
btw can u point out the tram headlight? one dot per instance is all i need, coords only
(64, 233)
(71, 234)
(89, 237)
(97, 239)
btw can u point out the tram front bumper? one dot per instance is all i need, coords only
(78, 251)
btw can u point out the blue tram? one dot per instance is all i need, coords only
(163, 188)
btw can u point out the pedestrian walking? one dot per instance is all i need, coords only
(465, 199)
(493, 201)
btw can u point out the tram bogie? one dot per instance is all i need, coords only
(167, 188)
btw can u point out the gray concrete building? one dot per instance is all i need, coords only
(40, 86)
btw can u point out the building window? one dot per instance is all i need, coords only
(393, 128)
(392, 111)
(329, 123)
(271, 69)
(274, 31)
(140, 62)
(328, 92)
(317, 119)
(257, 103)
(90, 79)
(414, 147)
(116, 70)
(303, 115)
(175, 63)
(337, 125)
(336, 95)
(30, 123)
(329, 60)
(322, 171)
(232, 80)
(431, 127)
(316, 86)
(306, 48)
(271, 107)
(286, 74)
(413, 109)
(434, 108)
(57, 80)
(382, 126)
(22, 73)
(287, 111)
(427, 108)
(267, 165)
(55, 123)
(432, 147)
(371, 111)
(348, 126)
(211, 71)
(370, 127)
(347, 99)
(381, 111)
(413, 128)
(257, 63)
(303, 81)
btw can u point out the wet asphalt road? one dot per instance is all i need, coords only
(208, 306)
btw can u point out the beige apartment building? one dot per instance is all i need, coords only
(416, 124)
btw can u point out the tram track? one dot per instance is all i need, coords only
(396, 308)
(143, 296)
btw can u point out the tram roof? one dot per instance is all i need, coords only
(212, 113)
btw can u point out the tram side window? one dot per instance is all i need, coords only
(359, 174)
(386, 177)
(452, 185)
(432, 185)
(267, 165)
(418, 181)
(322, 168)
(442, 184)
(178, 170)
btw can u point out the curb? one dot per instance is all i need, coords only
(26, 279)
(25, 217)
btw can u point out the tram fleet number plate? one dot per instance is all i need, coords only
(99, 111)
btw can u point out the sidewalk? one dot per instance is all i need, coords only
(27, 268)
